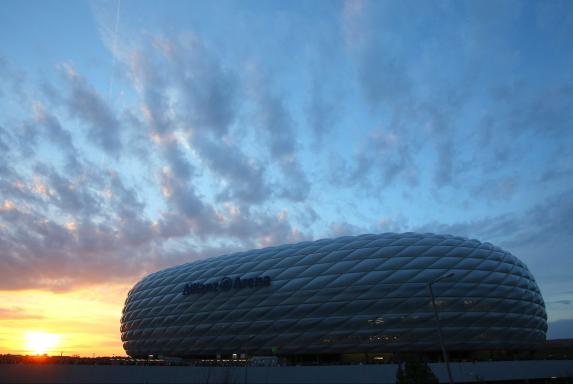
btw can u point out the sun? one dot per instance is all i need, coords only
(41, 342)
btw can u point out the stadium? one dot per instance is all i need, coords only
(353, 298)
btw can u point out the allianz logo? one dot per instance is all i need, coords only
(226, 284)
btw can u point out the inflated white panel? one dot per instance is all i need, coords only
(350, 294)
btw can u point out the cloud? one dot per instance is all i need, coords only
(54, 130)
(275, 123)
(199, 98)
(497, 189)
(353, 15)
(245, 177)
(85, 103)
(382, 77)
(151, 83)
(382, 160)
(211, 94)
(561, 302)
(544, 110)
(43, 254)
(381, 62)
(296, 186)
(552, 174)
(196, 88)
(424, 87)
(67, 194)
(181, 194)
(277, 128)
(322, 110)
(7, 143)
(16, 313)
(178, 160)
(244, 226)
(540, 224)
(391, 225)
(343, 228)
(308, 216)
(527, 120)
(410, 118)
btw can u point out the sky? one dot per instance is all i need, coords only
(137, 135)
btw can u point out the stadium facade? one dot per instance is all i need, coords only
(349, 295)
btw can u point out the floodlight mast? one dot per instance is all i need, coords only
(441, 337)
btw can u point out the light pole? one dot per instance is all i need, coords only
(442, 345)
(246, 359)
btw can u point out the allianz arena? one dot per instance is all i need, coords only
(349, 295)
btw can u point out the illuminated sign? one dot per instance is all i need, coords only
(225, 284)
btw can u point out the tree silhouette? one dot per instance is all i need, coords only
(415, 372)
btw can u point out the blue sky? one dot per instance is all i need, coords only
(137, 134)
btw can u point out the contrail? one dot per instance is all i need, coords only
(114, 51)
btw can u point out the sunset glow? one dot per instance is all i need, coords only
(39, 343)
(85, 322)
